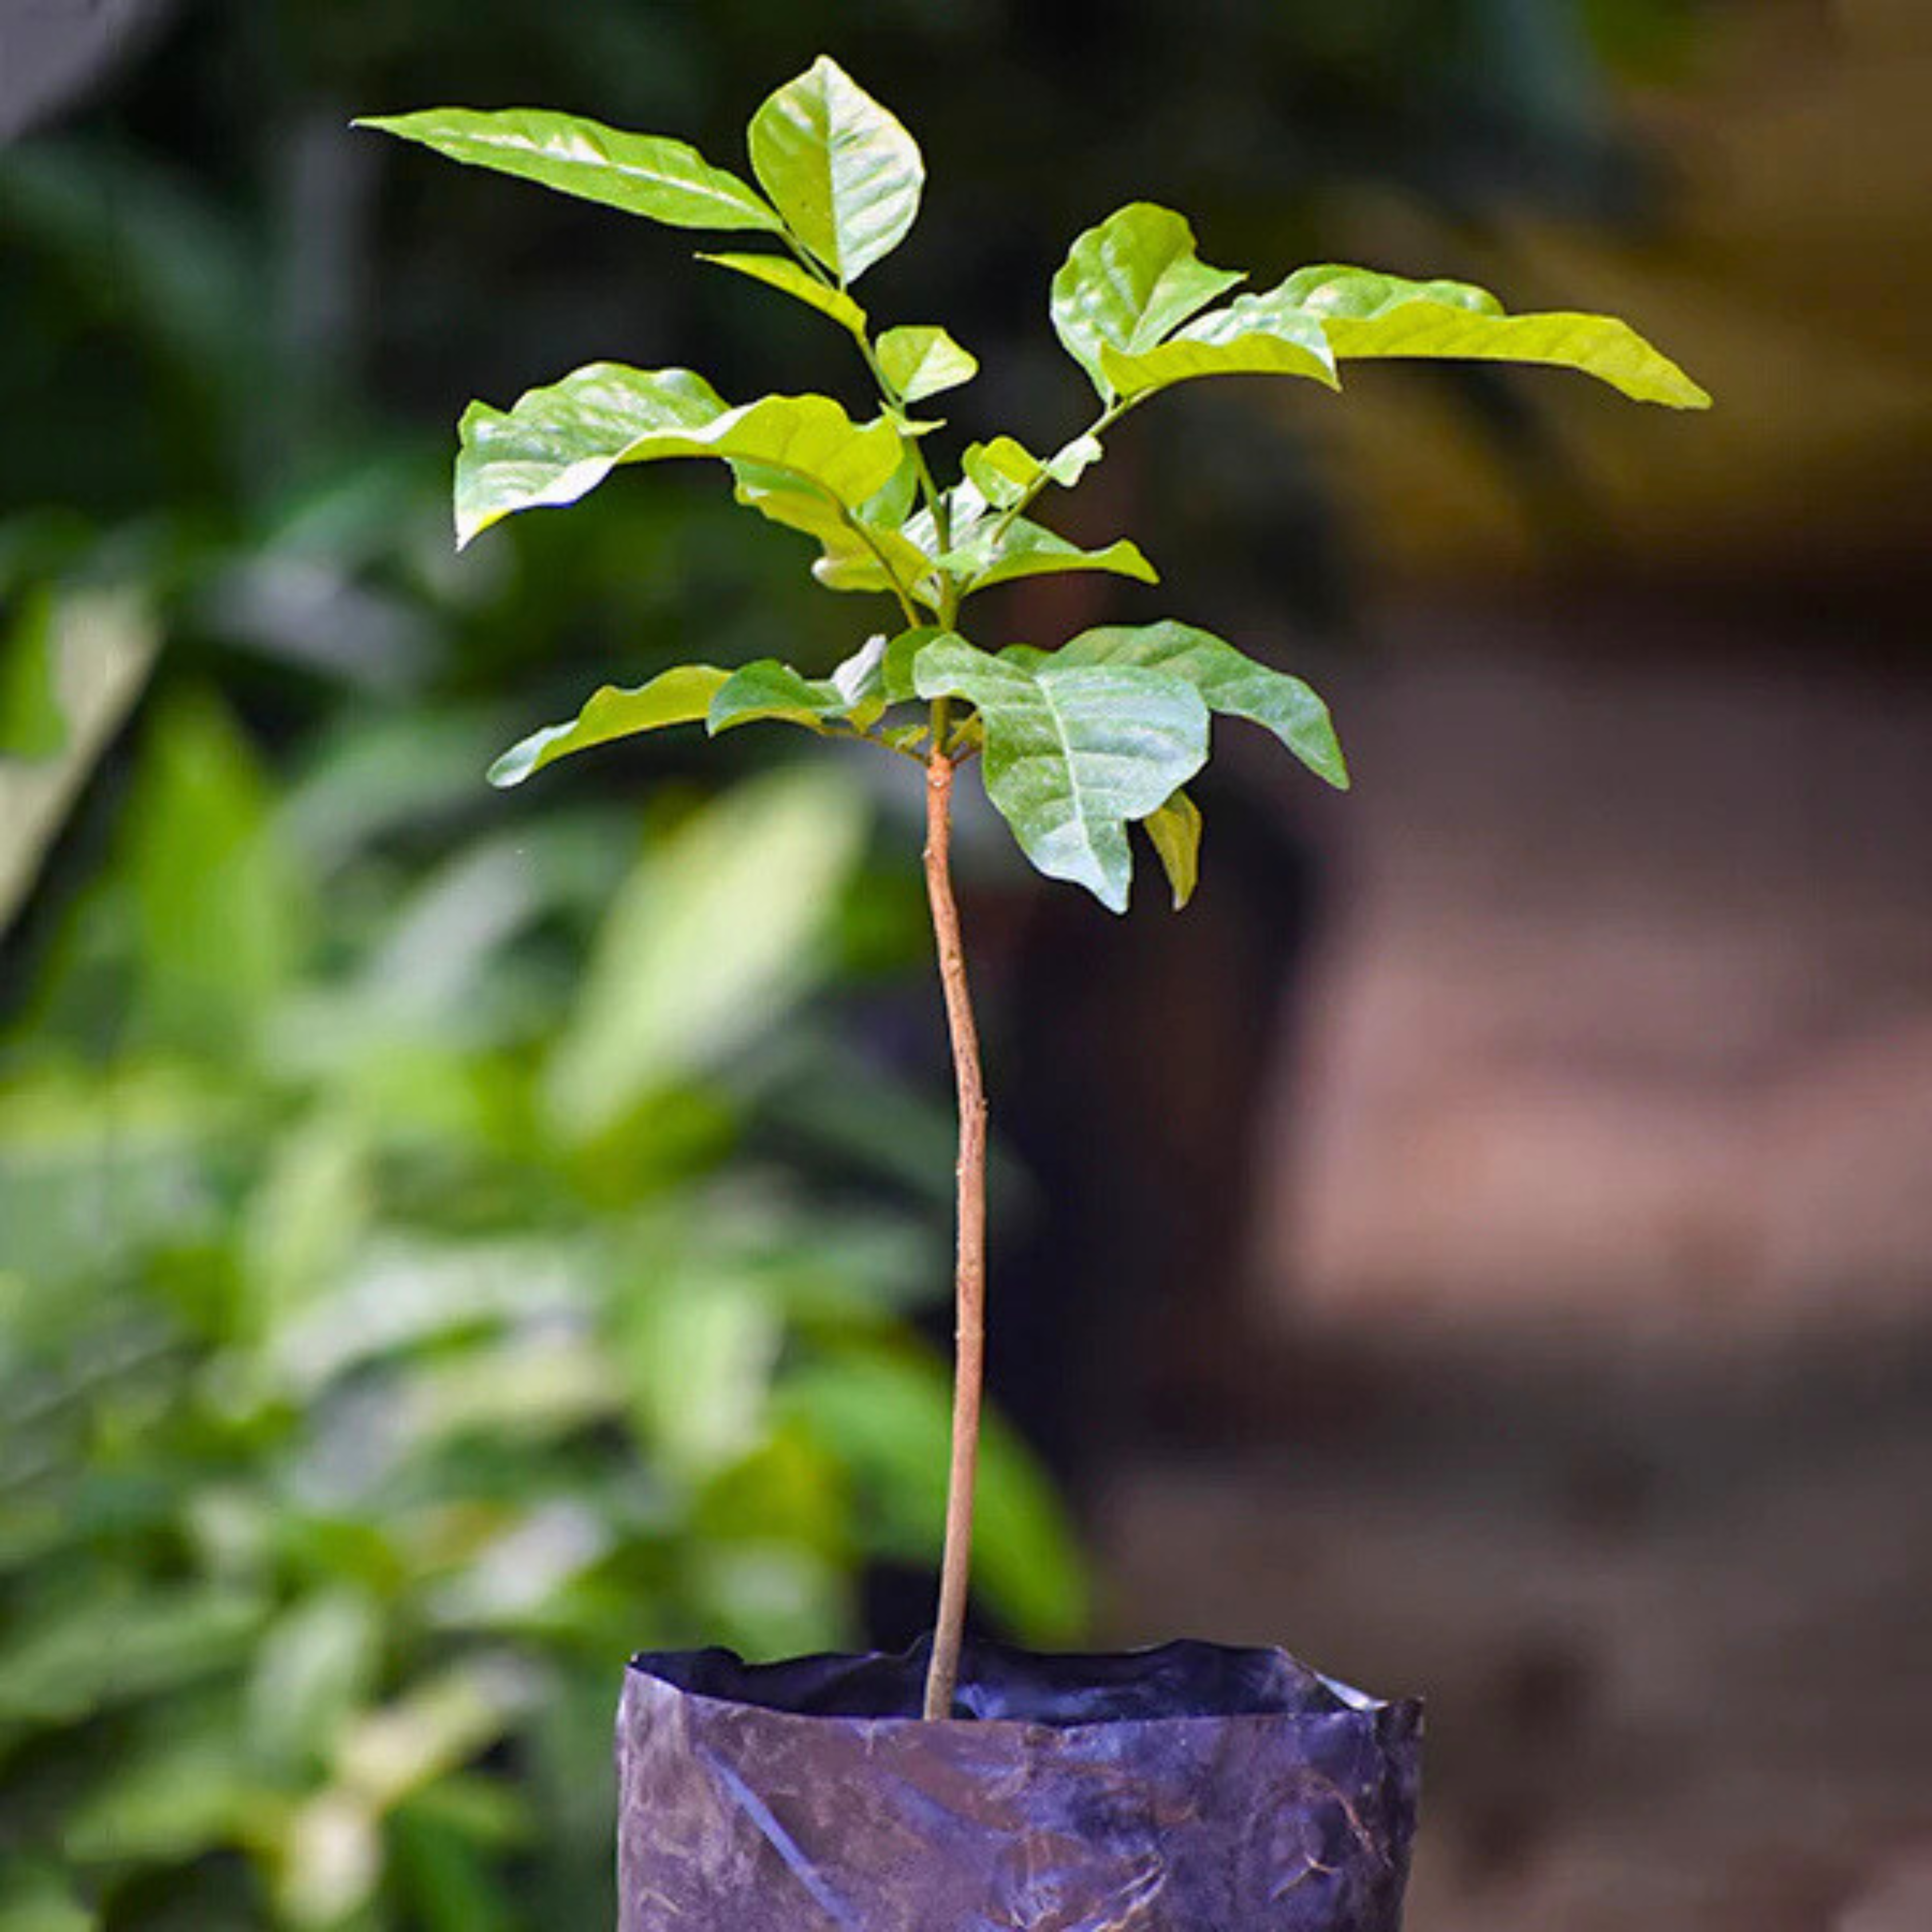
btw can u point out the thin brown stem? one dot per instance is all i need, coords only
(970, 1273)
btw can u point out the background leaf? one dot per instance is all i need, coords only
(842, 169)
(1127, 283)
(648, 175)
(1074, 751)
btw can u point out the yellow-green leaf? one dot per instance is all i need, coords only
(1175, 830)
(782, 273)
(682, 696)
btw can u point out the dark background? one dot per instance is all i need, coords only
(1483, 1245)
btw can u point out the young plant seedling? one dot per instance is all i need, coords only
(1076, 743)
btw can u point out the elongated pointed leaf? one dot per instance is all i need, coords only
(558, 443)
(1254, 335)
(769, 689)
(782, 273)
(1175, 830)
(842, 169)
(648, 175)
(857, 553)
(1232, 683)
(1365, 314)
(680, 697)
(920, 361)
(1128, 284)
(1074, 752)
(1024, 549)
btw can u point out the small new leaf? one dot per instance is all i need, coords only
(660, 179)
(992, 555)
(1005, 470)
(680, 697)
(1175, 830)
(1074, 753)
(1364, 313)
(1232, 684)
(781, 272)
(1129, 284)
(920, 361)
(842, 171)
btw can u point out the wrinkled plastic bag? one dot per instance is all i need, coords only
(1189, 1789)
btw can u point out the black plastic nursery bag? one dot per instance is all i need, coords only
(1189, 1789)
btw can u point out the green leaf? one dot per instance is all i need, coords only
(682, 696)
(1175, 829)
(559, 442)
(1004, 469)
(842, 171)
(718, 933)
(992, 555)
(781, 272)
(1128, 284)
(1074, 752)
(32, 724)
(1254, 335)
(660, 179)
(768, 689)
(860, 553)
(1365, 314)
(920, 362)
(1232, 683)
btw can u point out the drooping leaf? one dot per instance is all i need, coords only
(781, 272)
(1074, 752)
(1254, 335)
(991, 555)
(842, 169)
(1175, 829)
(1128, 284)
(1004, 469)
(681, 696)
(1366, 313)
(648, 175)
(920, 361)
(1233, 684)
(558, 443)
(859, 552)
(768, 689)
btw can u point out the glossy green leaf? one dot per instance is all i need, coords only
(857, 552)
(920, 361)
(559, 442)
(1254, 335)
(991, 555)
(1004, 469)
(781, 272)
(1128, 284)
(842, 171)
(648, 175)
(767, 689)
(682, 696)
(1074, 752)
(1232, 684)
(1365, 314)
(1175, 829)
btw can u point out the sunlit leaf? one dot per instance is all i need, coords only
(648, 175)
(1074, 752)
(842, 169)
(1004, 469)
(781, 272)
(558, 442)
(769, 690)
(1254, 335)
(1175, 830)
(1365, 314)
(681, 696)
(920, 361)
(991, 555)
(1129, 282)
(1230, 682)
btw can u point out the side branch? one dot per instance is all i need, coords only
(970, 1276)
